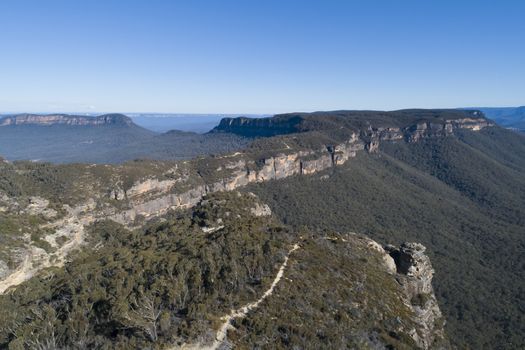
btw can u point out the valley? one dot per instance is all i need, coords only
(112, 138)
(394, 176)
(262, 175)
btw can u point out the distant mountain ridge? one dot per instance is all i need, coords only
(67, 119)
(509, 117)
(108, 138)
(114, 138)
(199, 123)
(361, 121)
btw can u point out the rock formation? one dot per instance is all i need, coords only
(415, 274)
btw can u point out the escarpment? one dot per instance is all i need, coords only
(241, 169)
(65, 119)
(240, 172)
(339, 291)
(426, 129)
(403, 120)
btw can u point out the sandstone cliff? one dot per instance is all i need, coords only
(403, 120)
(65, 119)
(241, 169)
(161, 187)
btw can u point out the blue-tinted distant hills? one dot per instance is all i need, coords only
(509, 117)
(110, 138)
(164, 122)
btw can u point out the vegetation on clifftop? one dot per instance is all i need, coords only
(170, 283)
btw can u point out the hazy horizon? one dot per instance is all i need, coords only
(173, 114)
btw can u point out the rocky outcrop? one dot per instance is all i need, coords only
(261, 210)
(160, 205)
(40, 206)
(388, 260)
(146, 187)
(429, 129)
(415, 274)
(372, 137)
(414, 133)
(65, 119)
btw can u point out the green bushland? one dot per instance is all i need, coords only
(167, 283)
(75, 183)
(170, 282)
(463, 197)
(460, 196)
(336, 295)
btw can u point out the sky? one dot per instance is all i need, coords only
(259, 56)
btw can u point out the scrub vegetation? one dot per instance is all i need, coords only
(462, 197)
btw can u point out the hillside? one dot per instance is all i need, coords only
(106, 296)
(110, 138)
(462, 196)
(448, 179)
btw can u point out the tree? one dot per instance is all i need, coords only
(144, 314)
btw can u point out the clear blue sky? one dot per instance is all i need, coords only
(259, 56)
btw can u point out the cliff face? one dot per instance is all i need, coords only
(414, 273)
(403, 120)
(239, 170)
(64, 119)
(235, 173)
(426, 129)
(154, 191)
(259, 126)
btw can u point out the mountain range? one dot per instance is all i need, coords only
(320, 230)
(115, 138)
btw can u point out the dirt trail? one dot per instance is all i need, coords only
(221, 334)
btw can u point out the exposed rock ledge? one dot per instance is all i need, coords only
(415, 274)
(242, 171)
